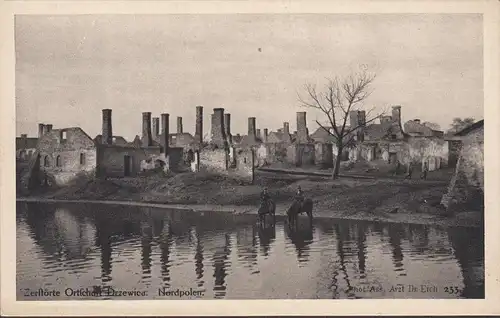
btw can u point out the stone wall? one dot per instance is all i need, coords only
(25, 154)
(173, 160)
(276, 152)
(111, 160)
(215, 160)
(323, 155)
(66, 153)
(245, 165)
(301, 154)
(262, 155)
(466, 189)
(433, 151)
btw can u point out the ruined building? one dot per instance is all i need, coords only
(64, 154)
(26, 147)
(466, 189)
(389, 142)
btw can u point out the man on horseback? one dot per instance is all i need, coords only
(299, 196)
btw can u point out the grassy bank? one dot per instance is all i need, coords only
(384, 199)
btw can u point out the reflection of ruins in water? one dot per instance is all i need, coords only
(146, 249)
(63, 236)
(198, 258)
(165, 242)
(396, 233)
(247, 246)
(418, 238)
(343, 251)
(469, 252)
(221, 266)
(361, 229)
(70, 237)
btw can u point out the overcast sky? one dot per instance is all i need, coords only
(68, 68)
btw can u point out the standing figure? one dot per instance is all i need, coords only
(409, 172)
(398, 166)
(425, 169)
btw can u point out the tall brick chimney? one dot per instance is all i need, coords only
(41, 130)
(147, 140)
(251, 127)
(156, 127)
(265, 135)
(302, 128)
(353, 118)
(179, 125)
(362, 125)
(286, 128)
(165, 134)
(107, 127)
(218, 130)
(45, 128)
(199, 124)
(48, 128)
(396, 114)
(227, 127)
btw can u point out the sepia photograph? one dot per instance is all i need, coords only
(249, 156)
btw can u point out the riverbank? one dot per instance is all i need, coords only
(388, 200)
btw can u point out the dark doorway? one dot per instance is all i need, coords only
(393, 158)
(127, 165)
(190, 156)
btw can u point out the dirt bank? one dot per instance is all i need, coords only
(392, 200)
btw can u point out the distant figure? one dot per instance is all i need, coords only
(264, 197)
(299, 196)
(409, 172)
(267, 206)
(424, 171)
(398, 166)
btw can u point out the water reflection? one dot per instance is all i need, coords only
(301, 238)
(221, 266)
(267, 234)
(165, 247)
(396, 233)
(332, 259)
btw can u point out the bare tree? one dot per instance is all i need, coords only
(459, 124)
(339, 97)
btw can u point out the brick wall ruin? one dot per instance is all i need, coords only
(217, 161)
(65, 153)
(120, 161)
(301, 154)
(323, 156)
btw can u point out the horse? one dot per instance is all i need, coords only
(299, 207)
(269, 208)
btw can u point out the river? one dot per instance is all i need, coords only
(93, 251)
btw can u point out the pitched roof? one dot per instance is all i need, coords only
(470, 128)
(279, 136)
(378, 131)
(248, 140)
(322, 135)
